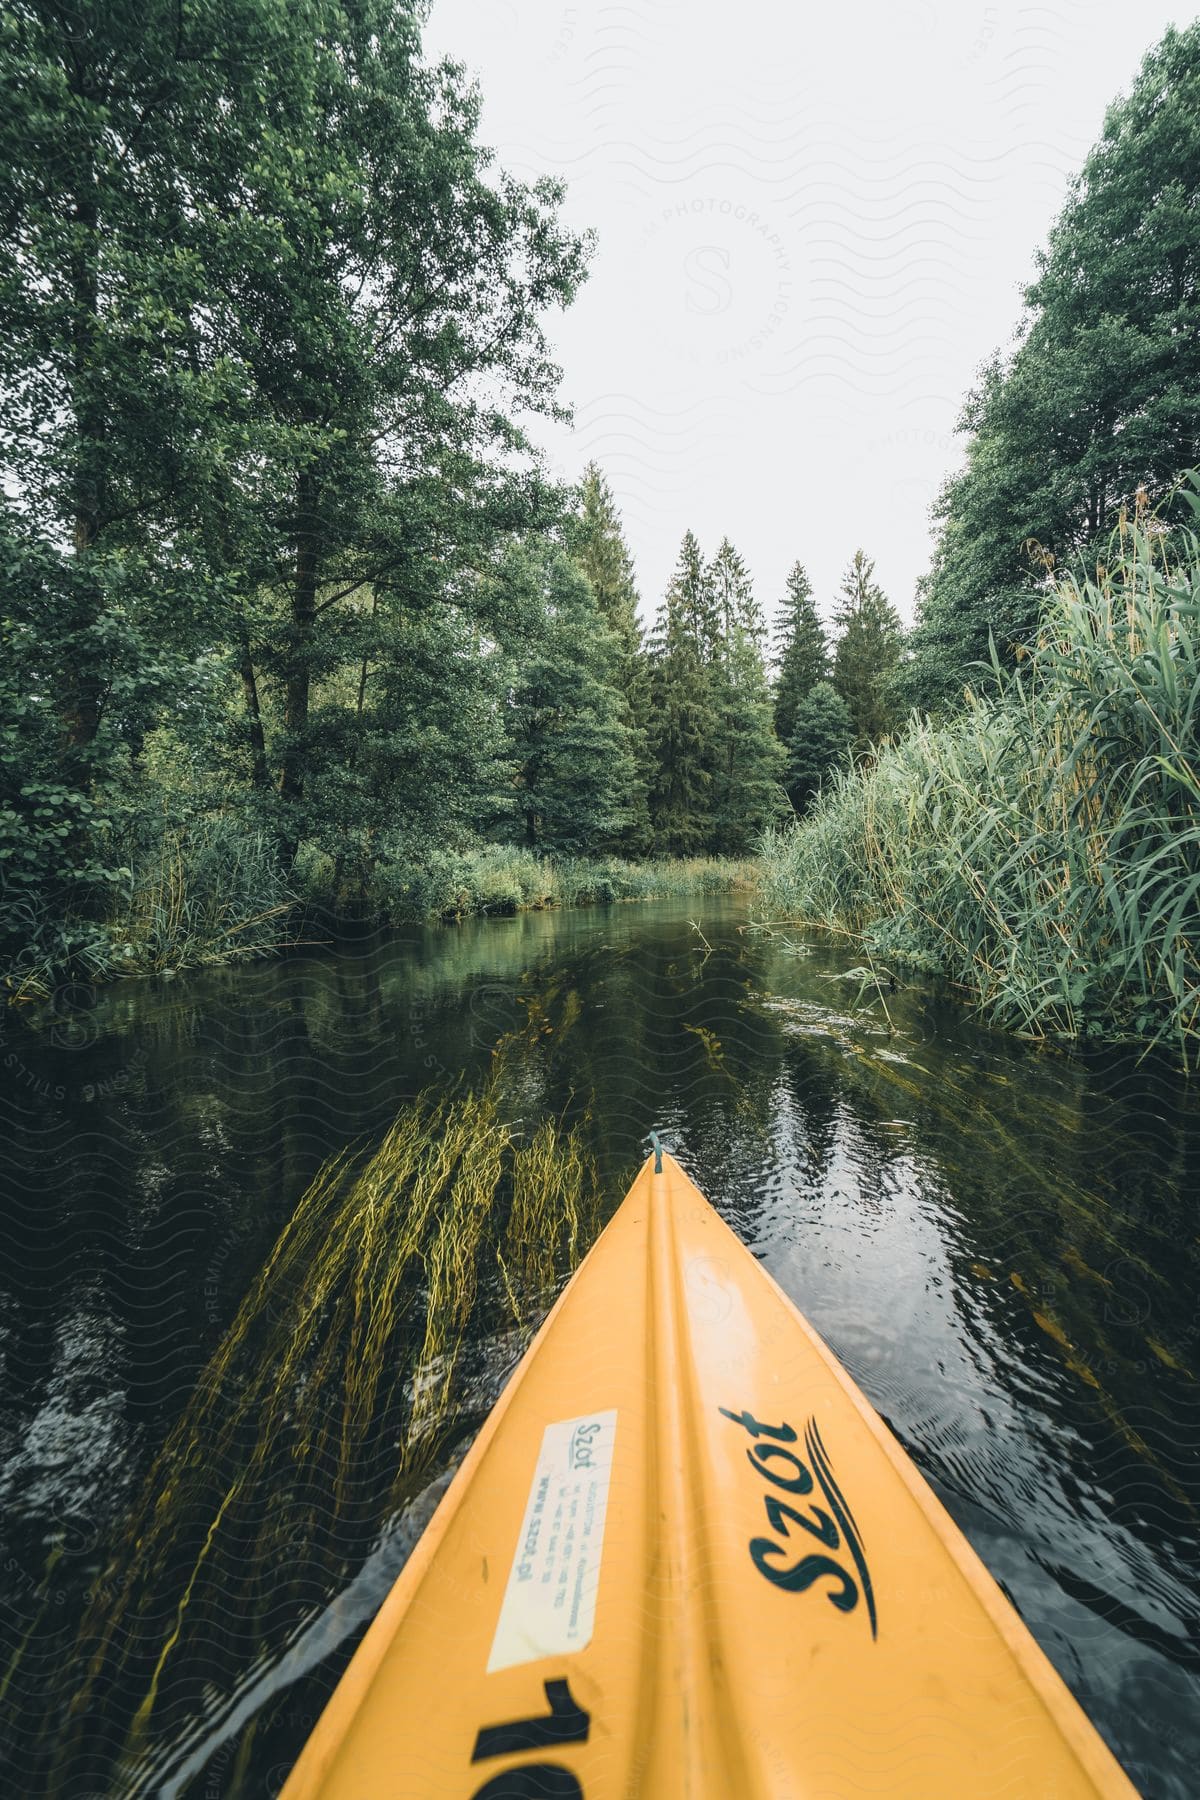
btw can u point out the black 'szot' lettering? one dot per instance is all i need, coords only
(784, 1469)
(778, 1511)
(799, 1482)
(802, 1574)
(756, 1428)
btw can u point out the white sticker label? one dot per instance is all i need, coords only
(550, 1602)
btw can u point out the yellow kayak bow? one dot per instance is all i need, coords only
(685, 1557)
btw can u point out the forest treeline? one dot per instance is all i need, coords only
(292, 609)
(290, 604)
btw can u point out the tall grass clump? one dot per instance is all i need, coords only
(1042, 849)
(211, 891)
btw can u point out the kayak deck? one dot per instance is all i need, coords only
(685, 1557)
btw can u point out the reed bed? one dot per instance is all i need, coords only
(1042, 849)
(325, 1405)
(501, 878)
(213, 892)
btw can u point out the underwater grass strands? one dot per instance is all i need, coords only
(553, 1195)
(327, 1398)
(1042, 849)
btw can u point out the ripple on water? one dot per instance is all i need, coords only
(999, 1244)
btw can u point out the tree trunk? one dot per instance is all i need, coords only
(298, 678)
(259, 775)
(362, 674)
(83, 690)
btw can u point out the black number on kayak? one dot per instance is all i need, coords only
(782, 1467)
(566, 1723)
(532, 1781)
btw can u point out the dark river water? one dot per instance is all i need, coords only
(1000, 1243)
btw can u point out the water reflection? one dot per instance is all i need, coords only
(1000, 1244)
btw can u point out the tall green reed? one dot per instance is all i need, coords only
(1042, 849)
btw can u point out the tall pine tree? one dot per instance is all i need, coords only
(821, 735)
(868, 652)
(747, 757)
(568, 738)
(803, 652)
(683, 721)
(597, 543)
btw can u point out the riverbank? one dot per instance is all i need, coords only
(217, 895)
(1042, 849)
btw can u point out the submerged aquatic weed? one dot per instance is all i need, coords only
(330, 1393)
(552, 1179)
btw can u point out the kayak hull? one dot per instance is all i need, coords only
(685, 1557)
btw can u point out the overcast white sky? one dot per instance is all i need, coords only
(814, 223)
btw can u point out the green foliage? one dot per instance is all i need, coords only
(821, 737)
(747, 758)
(268, 314)
(1043, 849)
(683, 721)
(596, 541)
(61, 804)
(867, 655)
(450, 884)
(411, 741)
(504, 878)
(564, 720)
(213, 894)
(1100, 396)
(803, 652)
(378, 347)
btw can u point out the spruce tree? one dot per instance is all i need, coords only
(597, 543)
(693, 599)
(803, 652)
(731, 598)
(821, 736)
(683, 720)
(868, 652)
(747, 757)
(568, 738)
